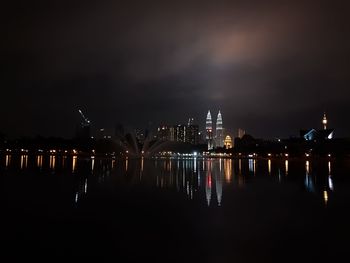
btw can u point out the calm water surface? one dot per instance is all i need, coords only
(174, 210)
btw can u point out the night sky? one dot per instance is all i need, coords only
(271, 67)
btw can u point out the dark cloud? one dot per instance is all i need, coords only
(270, 66)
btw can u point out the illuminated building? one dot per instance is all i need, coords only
(228, 142)
(313, 134)
(219, 131)
(324, 121)
(192, 132)
(163, 133)
(180, 133)
(209, 131)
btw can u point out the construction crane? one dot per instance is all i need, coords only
(86, 121)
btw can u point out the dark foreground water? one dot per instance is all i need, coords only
(169, 210)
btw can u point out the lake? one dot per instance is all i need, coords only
(174, 210)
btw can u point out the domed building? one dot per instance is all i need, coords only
(228, 142)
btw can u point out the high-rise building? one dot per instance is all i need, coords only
(219, 131)
(163, 133)
(180, 133)
(190, 121)
(209, 131)
(192, 132)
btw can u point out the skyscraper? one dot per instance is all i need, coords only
(219, 131)
(209, 131)
(192, 132)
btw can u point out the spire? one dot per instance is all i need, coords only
(324, 121)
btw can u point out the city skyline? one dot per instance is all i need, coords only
(272, 67)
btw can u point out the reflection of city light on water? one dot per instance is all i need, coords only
(92, 163)
(309, 184)
(307, 165)
(39, 161)
(82, 190)
(74, 163)
(208, 188)
(52, 161)
(219, 188)
(330, 181)
(240, 166)
(325, 196)
(24, 161)
(286, 166)
(228, 170)
(85, 186)
(252, 165)
(269, 166)
(7, 160)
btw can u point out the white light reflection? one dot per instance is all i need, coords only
(286, 166)
(92, 163)
(7, 160)
(85, 186)
(330, 181)
(309, 184)
(218, 184)
(76, 197)
(269, 166)
(24, 161)
(250, 164)
(307, 165)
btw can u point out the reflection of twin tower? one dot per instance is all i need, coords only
(218, 140)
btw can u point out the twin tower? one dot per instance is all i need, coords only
(216, 140)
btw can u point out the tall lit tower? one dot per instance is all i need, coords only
(324, 121)
(219, 131)
(209, 131)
